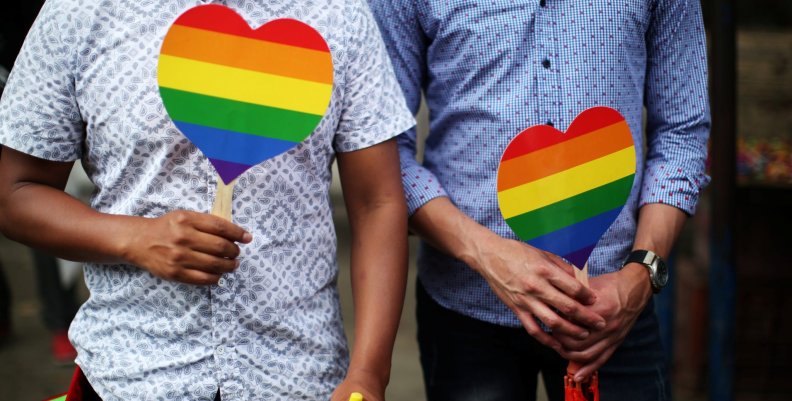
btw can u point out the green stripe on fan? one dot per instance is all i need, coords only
(572, 210)
(236, 116)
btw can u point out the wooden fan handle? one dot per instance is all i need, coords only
(223, 199)
(582, 276)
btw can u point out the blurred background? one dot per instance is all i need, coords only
(725, 317)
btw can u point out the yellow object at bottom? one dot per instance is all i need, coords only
(356, 397)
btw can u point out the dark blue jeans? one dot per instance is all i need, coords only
(467, 359)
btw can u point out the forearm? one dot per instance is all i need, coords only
(35, 211)
(445, 227)
(659, 226)
(374, 199)
(47, 218)
(379, 271)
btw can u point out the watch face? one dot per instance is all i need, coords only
(662, 273)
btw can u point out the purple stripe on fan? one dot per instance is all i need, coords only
(228, 170)
(579, 257)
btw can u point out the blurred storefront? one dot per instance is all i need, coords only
(733, 336)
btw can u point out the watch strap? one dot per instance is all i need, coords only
(650, 260)
(641, 256)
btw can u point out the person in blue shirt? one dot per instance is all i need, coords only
(488, 70)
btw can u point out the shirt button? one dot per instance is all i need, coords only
(221, 282)
(546, 63)
(220, 350)
(543, 3)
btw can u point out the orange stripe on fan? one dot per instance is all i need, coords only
(563, 156)
(249, 54)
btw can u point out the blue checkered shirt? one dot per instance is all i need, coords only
(490, 69)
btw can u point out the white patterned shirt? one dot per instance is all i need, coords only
(85, 87)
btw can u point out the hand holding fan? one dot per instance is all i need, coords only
(241, 95)
(560, 192)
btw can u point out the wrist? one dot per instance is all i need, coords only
(441, 224)
(655, 266)
(375, 376)
(478, 245)
(636, 277)
(128, 231)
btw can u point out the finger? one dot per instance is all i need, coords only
(568, 284)
(209, 264)
(221, 227)
(196, 277)
(554, 321)
(559, 262)
(570, 307)
(536, 331)
(591, 353)
(572, 344)
(213, 245)
(587, 370)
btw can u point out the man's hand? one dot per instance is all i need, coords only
(534, 284)
(184, 246)
(621, 297)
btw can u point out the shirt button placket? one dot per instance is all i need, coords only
(546, 64)
(220, 311)
(225, 351)
(549, 86)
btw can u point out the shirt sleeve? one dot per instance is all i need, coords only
(373, 105)
(406, 43)
(39, 114)
(678, 116)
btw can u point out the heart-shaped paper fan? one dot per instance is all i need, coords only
(559, 191)
(243, 95)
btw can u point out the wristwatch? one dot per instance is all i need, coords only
(658, 271)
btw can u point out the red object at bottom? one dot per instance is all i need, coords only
(75, 392)
(586, 391)
(80, 389)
